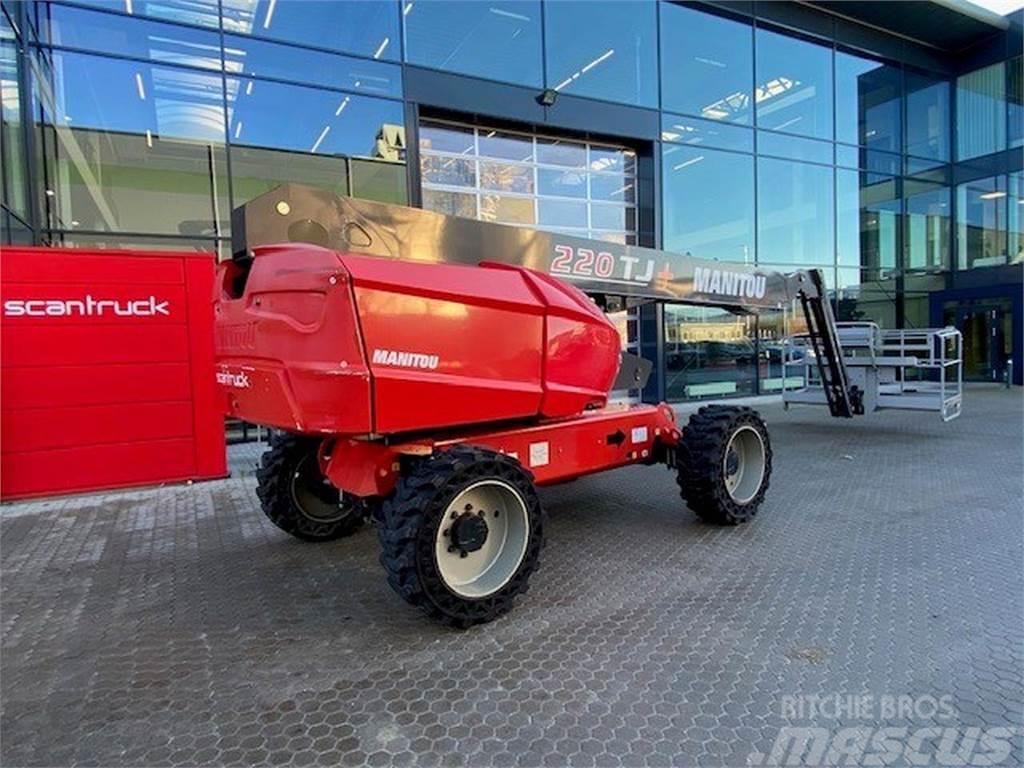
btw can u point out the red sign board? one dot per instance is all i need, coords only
(106, 370)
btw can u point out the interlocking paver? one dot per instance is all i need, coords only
(176, 626)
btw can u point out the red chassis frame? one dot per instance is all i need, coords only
(553, 451)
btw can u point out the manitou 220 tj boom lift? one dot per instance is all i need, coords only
(430, 372)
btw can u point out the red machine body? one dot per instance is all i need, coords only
(386, 358)
(338, 344)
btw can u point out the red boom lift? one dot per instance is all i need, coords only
(434, 396)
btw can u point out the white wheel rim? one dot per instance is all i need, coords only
(486, 570)
(743, 464)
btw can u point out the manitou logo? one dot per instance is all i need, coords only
(87, 307)
(724, 283)
(237, 380)
(404, 359)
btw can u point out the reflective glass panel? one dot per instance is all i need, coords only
(981, 112)
(926, 225)
(130, 36)
(365, 28)
(708, 203)
(12, 147)
(604, 49)
(867, 221)
(794, 212)
(246, 56)
(379, 180)
(794, 85)
(706, 133)
(196, 12)
(982, 222)
(1015, 228)
(927, 116)
(868, 102)
(707, 65)
(1015, 100)
(308, 120)
(794, 148)
(144, 153)
(497, 40)
(709, 352)
(863, 296)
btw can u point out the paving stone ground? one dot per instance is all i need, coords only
(177, 626)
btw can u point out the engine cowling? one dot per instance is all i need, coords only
(316, 341)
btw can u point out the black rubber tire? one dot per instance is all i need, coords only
(279, 468)
(410, 520)
(700, 458)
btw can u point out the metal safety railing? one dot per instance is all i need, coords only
(908, 369)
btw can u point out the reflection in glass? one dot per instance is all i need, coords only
(708, 203)
(709, 352)
(145, 153)
(927, 116)
(926, 225)
(379, 180)
(365, 28)
(605, 50)
(867, 222)
(255, 170)
(706, 133)
(794, 88)
(794, 212)
(12, 147)
(864, 297)
(867, 102)
(981, 112)
(131, 36)
(571, 154)
(1015, 101)
(561, 185)
(794, 148)
(318, 122)
(201, 13)
(257, 58)
(495, 40)
(450, 203)
(507, 210)
(706, 65)
(1015, 220)
(982, 222)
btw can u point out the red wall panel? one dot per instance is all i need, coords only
(106, 370)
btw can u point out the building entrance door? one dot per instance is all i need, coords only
(985, 325)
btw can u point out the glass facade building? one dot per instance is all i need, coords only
(888, 155)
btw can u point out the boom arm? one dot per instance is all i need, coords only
(296, 213)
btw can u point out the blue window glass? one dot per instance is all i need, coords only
(144, 153)
(201, 13)
(708, 203)
(794, 85)
(927, 116)
(926, 225)
(981, 112)
(498, 40)
(794, 212)
(246, 56)
(317, 122)
(605, 49)
(793, 147)
(867, 221)
(707, 67)
(1015, 100)
(129, 36)
(867, 102)
(706, 133)
(982, 222)
(365, 28)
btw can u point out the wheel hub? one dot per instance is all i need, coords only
(469, 532)
(732, 463)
